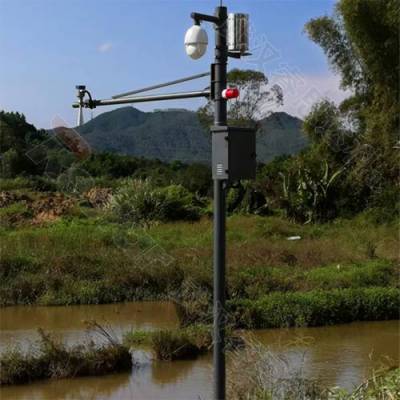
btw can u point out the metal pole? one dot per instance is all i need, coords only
(220, 111)
(143, 99)
(161, 85)
(81, 94)
(79, 120)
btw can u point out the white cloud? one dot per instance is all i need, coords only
(300, 92)
(104, 47)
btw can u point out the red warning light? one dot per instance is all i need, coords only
(230, 93)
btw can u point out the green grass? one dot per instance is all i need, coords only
(53, 361)
(182, 343)
(80, 262)
(252, 283)
(90, 260)
(382, 385)
(173, 344)
(15, 183)
(316, 308)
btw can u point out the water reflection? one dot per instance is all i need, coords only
(69, 389)
(177, 381)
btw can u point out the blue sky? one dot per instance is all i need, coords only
(49, 46)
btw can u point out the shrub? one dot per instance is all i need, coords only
(137, 201)
(178, 204)
(140, 202)
(246, 199)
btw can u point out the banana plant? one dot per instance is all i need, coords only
(306, 194)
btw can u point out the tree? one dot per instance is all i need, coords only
(361, 42)
(330, 133)
(17, 137)
(254, 102)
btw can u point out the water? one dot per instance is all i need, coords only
(338, 355)
(19, 324)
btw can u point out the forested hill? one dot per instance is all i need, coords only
(176, 134)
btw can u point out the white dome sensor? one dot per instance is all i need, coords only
(196, 41)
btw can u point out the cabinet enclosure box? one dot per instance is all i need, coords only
(233, 153)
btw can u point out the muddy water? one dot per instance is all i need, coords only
(338, 355)
(19, 325)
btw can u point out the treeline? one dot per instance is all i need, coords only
(313, 186)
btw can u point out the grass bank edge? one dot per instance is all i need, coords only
(316, 308)
(53, 360)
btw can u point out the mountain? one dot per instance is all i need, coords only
(176, 134)
(280, 134)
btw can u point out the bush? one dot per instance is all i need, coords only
(178, 204)
(138, 201)
(246, 199)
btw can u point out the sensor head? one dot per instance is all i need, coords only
(196, 41)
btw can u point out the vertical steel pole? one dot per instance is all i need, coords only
(220, 118)
(80, 94)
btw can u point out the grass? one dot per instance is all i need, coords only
(257, 373)
(253, 282)
(15, 183)
(53, 360)
(383, 385)
(183, 343)
(76, 262)
(316, 308)
(173, 344)
(91, 260)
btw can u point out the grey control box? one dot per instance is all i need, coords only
(233, 153)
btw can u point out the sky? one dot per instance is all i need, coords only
(49, 46)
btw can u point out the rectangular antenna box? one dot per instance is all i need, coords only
(233, 153)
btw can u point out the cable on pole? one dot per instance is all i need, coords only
(170, 83)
